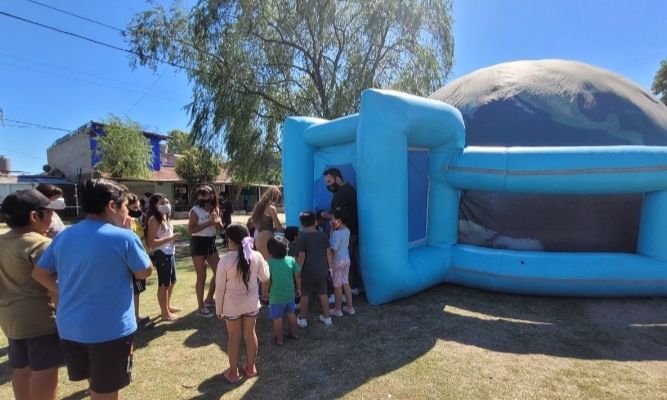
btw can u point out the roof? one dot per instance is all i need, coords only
(90, 128)
(168, 174)
(53, 180)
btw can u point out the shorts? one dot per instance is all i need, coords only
(340, 273)
(309, 285)
(202, 246)
(108, 365)
(138, 285)
(38, 353)
(165, 266)
(235, 317)
(276, 311)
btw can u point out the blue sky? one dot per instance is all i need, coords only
(52, 79)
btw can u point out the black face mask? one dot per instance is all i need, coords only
(135, 213)
(333, 187)
(203, 202)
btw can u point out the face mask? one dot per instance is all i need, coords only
(135, 213)
(60, 200)
(164, 209)
(333, 187)
(203, 202)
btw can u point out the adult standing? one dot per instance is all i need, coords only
(226, 209)
(91, 264)
(265, 219)
(26, 308)
(345, 199)
(53, 193)
(203, 223)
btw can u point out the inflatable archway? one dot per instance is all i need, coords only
(411, 167)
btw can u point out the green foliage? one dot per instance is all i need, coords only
(252, 63)
(659, 86)
(179, 141)
(197, 166)
(124, 151)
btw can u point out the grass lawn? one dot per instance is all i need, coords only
(447, 343)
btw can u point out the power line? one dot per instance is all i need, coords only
(35, 125)
(95, 41)
(145, 93)
(77, 16)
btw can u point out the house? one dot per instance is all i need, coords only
(74, 157)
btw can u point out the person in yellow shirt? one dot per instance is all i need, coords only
(139, 285)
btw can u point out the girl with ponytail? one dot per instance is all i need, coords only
(237, 298)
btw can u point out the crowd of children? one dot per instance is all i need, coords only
(85, 271)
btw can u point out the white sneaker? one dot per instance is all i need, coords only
(349, 310)
(326, 321)
(302, 322)
(335, 313)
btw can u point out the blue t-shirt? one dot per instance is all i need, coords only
(94, 261)
(339, 242)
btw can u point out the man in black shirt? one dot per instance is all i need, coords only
(345, 198)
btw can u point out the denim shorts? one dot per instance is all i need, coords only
(276, 311)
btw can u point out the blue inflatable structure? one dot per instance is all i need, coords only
(407, 157)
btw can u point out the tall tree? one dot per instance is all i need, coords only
(197, 166)
(252, 63)
(124, 151)
(179, 141)
(659, 86)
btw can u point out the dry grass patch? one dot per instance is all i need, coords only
(449, 342)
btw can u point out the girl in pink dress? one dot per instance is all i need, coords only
(237, 298)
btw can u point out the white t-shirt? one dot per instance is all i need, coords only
(203, 216)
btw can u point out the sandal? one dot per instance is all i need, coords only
(249, 374)
(231, 379)
(274, 340)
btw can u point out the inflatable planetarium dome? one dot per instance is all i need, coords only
(553, 103)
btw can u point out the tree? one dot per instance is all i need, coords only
(124, 151)
(659, 86)
(179, 141)
(252, 63)
(197, 166)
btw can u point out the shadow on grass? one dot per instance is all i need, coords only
(332, 362)
(81, 394)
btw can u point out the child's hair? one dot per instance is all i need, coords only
(277, 247)
(308, 219)
(271, 195)
(251, 226)
(49, 190)
(97, 193)
(207, 189)
(291, 232)
(342, 215)
(132, 198)
(236, 233)
(153, 209)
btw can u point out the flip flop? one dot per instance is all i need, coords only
(247, 373)
(274, 340)
(231, 379)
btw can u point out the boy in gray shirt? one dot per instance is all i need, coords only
(316, 260)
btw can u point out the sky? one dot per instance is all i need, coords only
(55, 80)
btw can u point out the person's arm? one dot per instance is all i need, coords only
(329, 258)
(215, 217)
(220, 286)
(277, 225)
(137, 260)
(48, 279)
(193, 223)
(144, 274)
(301, 258)
(297, 279)
(264, 275)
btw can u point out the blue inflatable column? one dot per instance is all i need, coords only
(297, 167)
(652, 240)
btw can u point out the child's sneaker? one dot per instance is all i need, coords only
(205, 312)
(336, 313)
(349, 310)
(301, 322)
(325, 321)
(332, 299)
